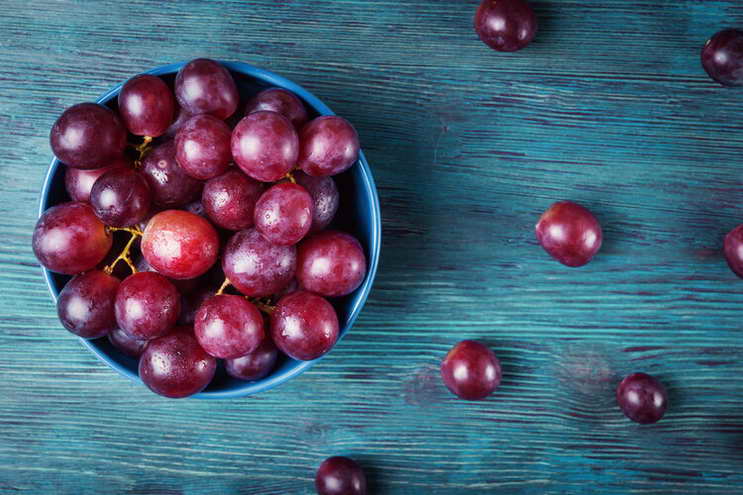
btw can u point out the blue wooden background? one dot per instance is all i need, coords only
(609, 107)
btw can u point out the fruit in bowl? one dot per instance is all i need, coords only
(168, 206)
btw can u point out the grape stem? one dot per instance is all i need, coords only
(262, 304)
(224, 285)
(125, 253)
(142, 150)
(291, 178)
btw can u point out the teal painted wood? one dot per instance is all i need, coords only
(608, 107)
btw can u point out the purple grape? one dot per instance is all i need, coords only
(256, 267)
(265, 146)
(340, 476)
(191, 302)
(205, 86)
(328, 145)
(505, 25)
(176, 366)
(87, 135)
(331, 264)
(202, 147)
(86, 304)
(78, 182)
(147, 305)
(254, 365)
(180, 244)
(734, 250)
(470, 370)
(304, 325)
(642, 398)
(325, 198)
(171, 186)
(146, 105)
(181, 117)
(229, 200)
(280, 101)
(283, 214)
(69, 238)
(569, 233)
(722, 57)
(121, 197)
(228, 326)
(129, 345)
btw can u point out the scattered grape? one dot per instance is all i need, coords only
(569, 233)
(505, 25)
(722, 57)
(340, 476)
(642, 398)
(471, 371)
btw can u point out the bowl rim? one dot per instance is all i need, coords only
(368, 184)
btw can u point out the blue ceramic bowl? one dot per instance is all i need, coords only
(358, 215)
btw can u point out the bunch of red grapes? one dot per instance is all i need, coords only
(202, 202)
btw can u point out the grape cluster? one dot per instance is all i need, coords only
(204, 198)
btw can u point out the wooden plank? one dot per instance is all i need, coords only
(609, 107)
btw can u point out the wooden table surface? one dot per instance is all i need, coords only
(608, 107)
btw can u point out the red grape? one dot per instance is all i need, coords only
(87, 135)
(121, 197)
(642, 398)
(330, 263)
(229, 200)
(470, 370)
(304, 325)
(146, 105)
(86, 304)
(78, 182)
(325, 198)
(254, 365)
(69, 238)
(205, 86)
(283, 214)
(147, 305)
(202, 147)
(265, 146)
(171, 186)
(328, 145)
(180, 244)
(722, 57)
(129, 345)
(280, 101)
(176, 366)
(340, 476)
(255, 266)
(569, 233)
(505, 25)
(228, 326)
(734, 250)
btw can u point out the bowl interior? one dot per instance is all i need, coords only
(358, 214)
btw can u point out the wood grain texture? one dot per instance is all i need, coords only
(608, 107)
